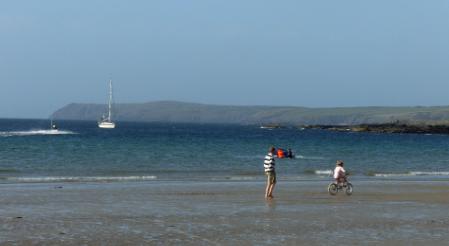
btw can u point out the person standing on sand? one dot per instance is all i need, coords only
(269, 166)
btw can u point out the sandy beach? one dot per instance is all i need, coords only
(224, 213)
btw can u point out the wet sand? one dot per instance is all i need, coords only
(224, 213)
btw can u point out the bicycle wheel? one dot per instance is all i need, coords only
(332, 189)
(349, 189)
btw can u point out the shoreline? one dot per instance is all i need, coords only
(217, 213)
(390, 177)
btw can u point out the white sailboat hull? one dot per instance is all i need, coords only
(107, 125)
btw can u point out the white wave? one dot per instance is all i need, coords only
(309, 157)
(242, 178)
(323, 172)
(35, 132)
(430, 173)
(415, 173)
(79, 179)
(386, 175)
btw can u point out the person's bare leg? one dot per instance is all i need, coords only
(270, 191)
(267, 189)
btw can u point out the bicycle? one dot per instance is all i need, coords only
(334, 187)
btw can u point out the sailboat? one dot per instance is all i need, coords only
(106, 121)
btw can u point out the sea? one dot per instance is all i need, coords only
(82, 152)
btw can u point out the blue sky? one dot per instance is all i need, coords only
(307, 53)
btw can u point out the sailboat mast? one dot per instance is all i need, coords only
(106, 122)
(110, 101)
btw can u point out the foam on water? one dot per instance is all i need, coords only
(309, 157)
(323, 172)
(414, 173)
(35, 132)
(242, 178)
(79, 179)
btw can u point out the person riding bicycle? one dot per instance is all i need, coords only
(341, 182)
(340, 173)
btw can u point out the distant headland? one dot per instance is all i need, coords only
(359, 118)
(396, 127)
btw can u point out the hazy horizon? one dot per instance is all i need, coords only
(291, 53)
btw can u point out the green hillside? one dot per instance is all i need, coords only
(170, 111)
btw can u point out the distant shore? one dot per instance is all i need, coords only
(385, 128)
(183, 112)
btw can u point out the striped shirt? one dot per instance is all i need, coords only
(269, 163)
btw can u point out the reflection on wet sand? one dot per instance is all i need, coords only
(189, 213)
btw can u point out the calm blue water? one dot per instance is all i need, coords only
(153, 151)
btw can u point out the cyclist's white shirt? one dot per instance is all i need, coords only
(339, 172)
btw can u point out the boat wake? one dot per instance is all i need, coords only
(35, 132)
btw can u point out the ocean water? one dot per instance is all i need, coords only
(81, 152)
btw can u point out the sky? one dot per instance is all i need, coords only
(322, 53)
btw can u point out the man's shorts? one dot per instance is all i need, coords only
(271, 177)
